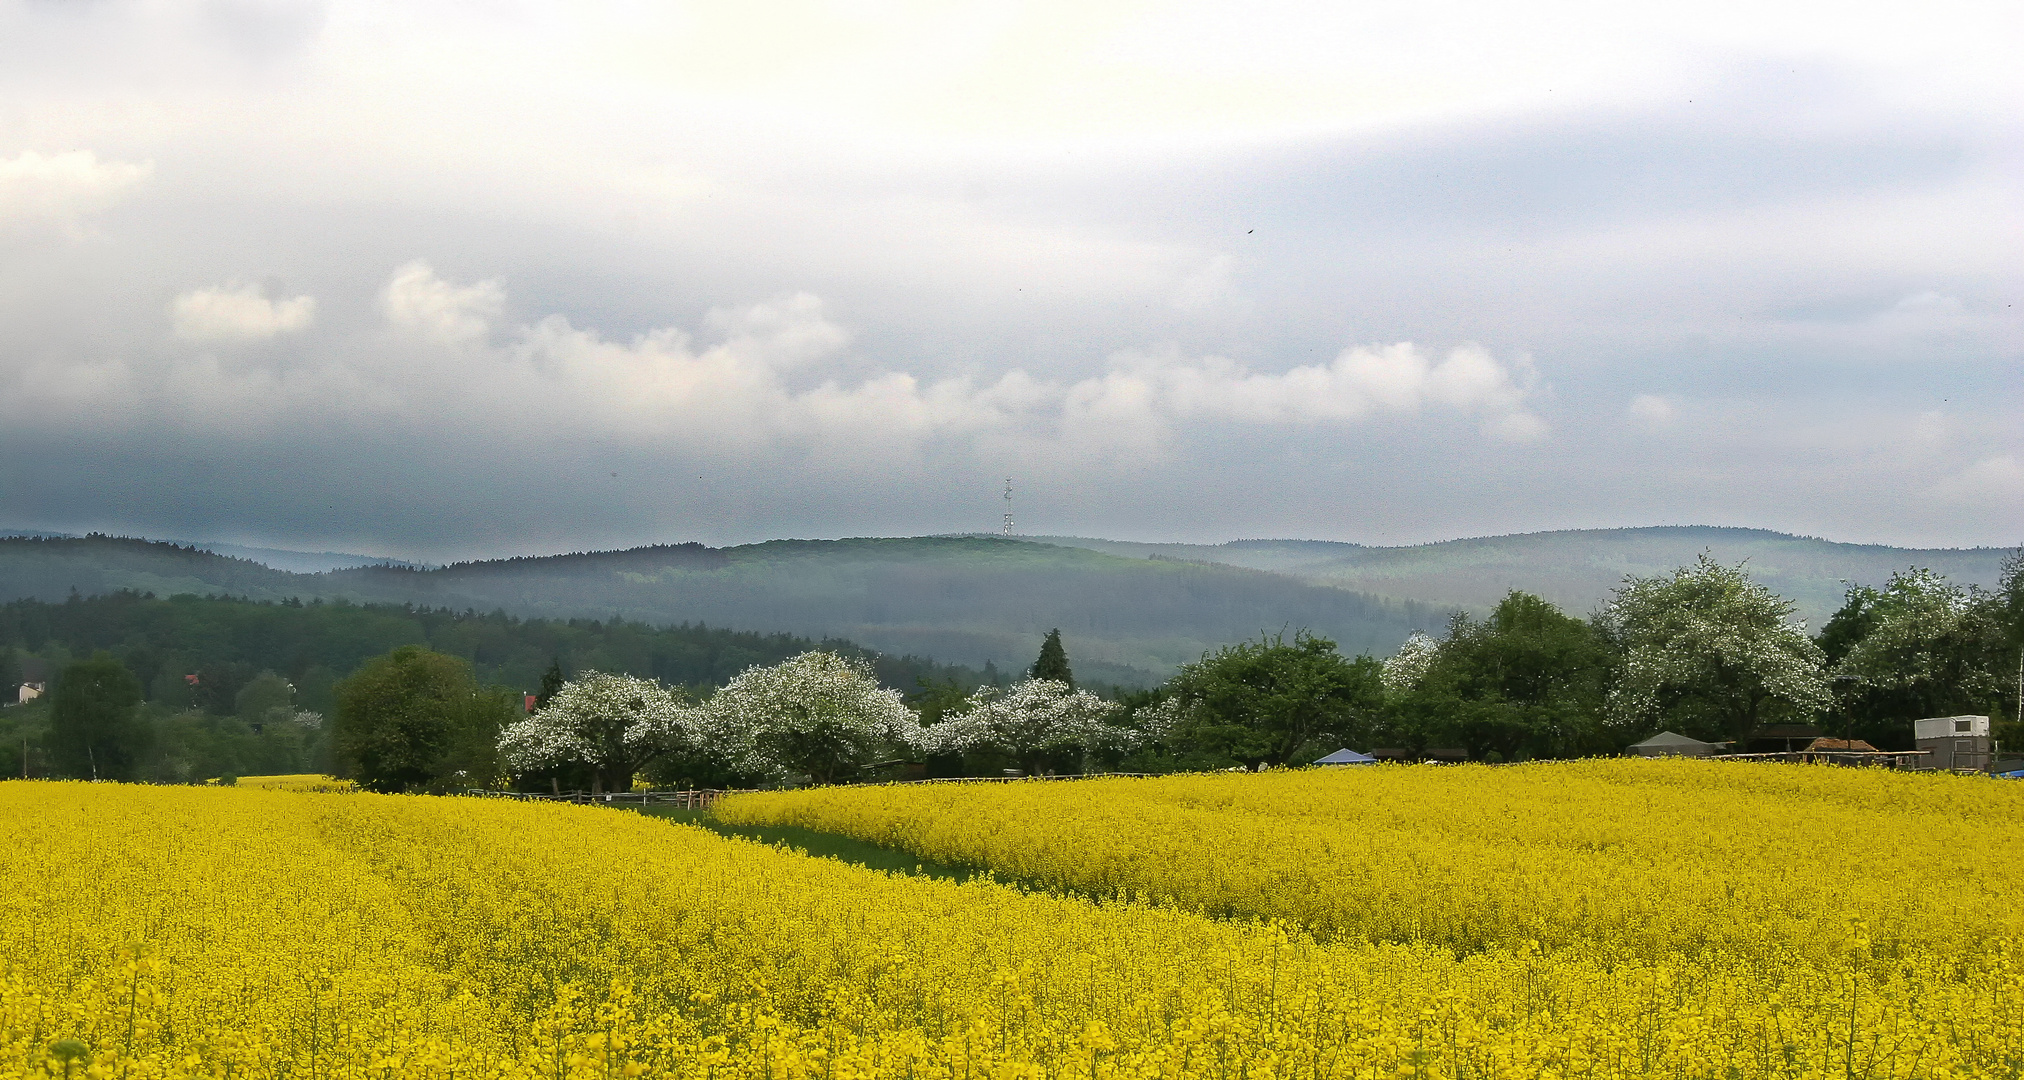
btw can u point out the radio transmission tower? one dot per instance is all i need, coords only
(1008, 506)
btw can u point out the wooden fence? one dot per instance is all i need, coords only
(1024, 779)
(702, 799)
(1887, 759)
(705, 798)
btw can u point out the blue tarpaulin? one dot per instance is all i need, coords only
(1346, 757)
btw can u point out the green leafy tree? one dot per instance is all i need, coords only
(1710, 654)
(2006, 606)
(415, 719)
(1849, 624)
(1267, 701)
(268, 698)
(1529, 681)
(95, 730)
(936, 698)
(1926, 647)
(1052, 665)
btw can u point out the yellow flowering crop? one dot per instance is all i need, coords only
(221, 932)
(1612, 857)
(297, 782)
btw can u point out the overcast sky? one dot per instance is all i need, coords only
(443, 280)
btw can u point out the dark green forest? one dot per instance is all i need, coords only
(211, 672)
(963, 600)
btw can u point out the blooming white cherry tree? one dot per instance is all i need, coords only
(1918, 617)
(1031, 720)
(1711, 654)
(818, 714)
(615, 724)
(1404, 669)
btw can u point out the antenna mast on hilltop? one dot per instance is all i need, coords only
(1008, 506)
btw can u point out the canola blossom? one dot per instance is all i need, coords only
(218, 932)
(1615, 858)
(297, 782)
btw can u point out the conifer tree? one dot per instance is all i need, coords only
(94, 733)
(551, 681)
(1053, 662)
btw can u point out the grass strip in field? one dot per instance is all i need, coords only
(823, 845)
(1636, 857)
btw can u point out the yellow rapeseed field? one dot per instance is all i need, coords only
(297, 782)
(224, 932)
(1612, 857)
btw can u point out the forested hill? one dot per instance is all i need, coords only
(1576, 568)
(51, 568)
(226, 642)
(962, 600)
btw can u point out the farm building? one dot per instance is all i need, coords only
(34, 681)
(1670, 744)
(1346, 756)
(1956, 743)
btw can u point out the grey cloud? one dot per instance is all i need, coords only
(264, 28)
(1755, 141)
(1776, 263)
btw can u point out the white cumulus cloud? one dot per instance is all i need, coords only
(238, 312)
(749, 386)
(63, 187)
(746, 388)
(1362, 381)
(418, 301)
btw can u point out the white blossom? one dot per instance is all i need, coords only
(1707, 631)
(608, 722)
(818, 714)
(1033, 717)
(1160, 720)
(1404, 669)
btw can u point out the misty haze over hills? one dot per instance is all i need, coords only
(1577, 568)
(1131, 611)
(294, 562)
(973, 600)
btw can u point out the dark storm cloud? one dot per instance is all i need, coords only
(1766, 292)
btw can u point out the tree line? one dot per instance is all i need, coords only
(1703, 651)
(227, 686)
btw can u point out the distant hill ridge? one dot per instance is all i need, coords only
(298, 562)
(1130, 611)
(969, 601)
(1576, 568)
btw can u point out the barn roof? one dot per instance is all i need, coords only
(1856, 745)
(1668, 740)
